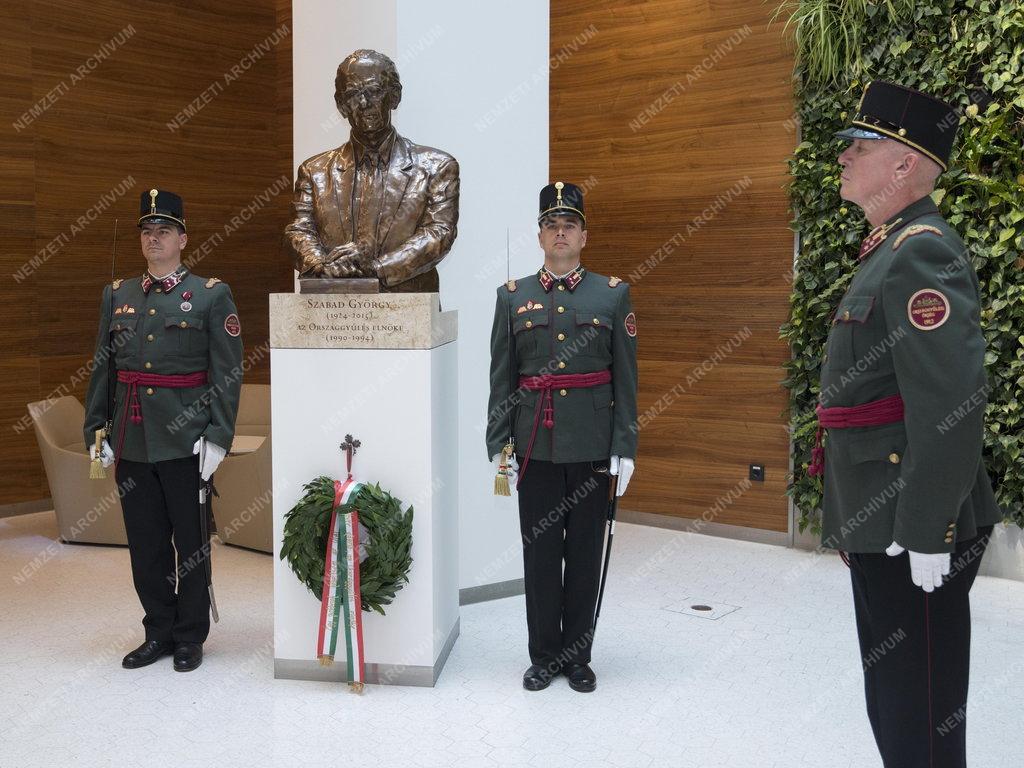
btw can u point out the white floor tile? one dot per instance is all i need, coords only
(774, 683)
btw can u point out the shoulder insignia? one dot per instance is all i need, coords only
(928, 309)
(117, 283)
(914, 229)
(212, 282)
(511, 285)
(613, 281)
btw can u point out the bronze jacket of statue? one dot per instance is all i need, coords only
(416, 226)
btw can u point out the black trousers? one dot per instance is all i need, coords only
(562, 519)
(916, 652)
(161, 516)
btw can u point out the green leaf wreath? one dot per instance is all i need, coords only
(389, 552)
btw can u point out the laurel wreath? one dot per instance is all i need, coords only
(389, 552)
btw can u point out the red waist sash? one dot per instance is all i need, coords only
(888, 410)
(132, 406)
(544, 384)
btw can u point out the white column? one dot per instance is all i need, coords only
(400, 400)
(475, 84)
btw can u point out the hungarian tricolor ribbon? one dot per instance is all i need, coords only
(341, 604)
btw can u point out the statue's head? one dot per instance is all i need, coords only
(366, 90)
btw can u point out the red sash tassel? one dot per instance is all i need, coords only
(132, 406)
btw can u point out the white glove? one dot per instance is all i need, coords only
(106, 455)
(211, 459)
(926, 571)
(513, 466)
(622, 467)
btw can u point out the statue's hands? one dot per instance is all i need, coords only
(341, 261)
(344, 252)
(366, 251)
(348, 260)
(341, 268)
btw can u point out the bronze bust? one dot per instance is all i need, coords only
(379, 206)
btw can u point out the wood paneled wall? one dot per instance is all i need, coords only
(680, 114)
(99, 101)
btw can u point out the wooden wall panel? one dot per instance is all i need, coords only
(19, 365)
(102, 139)
(668, 105)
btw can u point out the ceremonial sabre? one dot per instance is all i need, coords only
(501, 481)
(612, 506)
(205, 488)
(96, 471)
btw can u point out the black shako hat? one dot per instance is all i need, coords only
(159, 207)
(561, 199)
(922, 122)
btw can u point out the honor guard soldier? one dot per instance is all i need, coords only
(903, 391)
(165, 390)
(563, 398)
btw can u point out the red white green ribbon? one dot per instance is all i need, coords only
(341, 605)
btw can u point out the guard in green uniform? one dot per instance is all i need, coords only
(165, 389)
(563, 398)
(903, 394)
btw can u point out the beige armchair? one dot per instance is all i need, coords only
(88, 511)
(244, 507)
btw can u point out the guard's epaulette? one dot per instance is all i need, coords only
(613, 281)
(914, 229)
(212, 282)
(511, 285)
(117, 283)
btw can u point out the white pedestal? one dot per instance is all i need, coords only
(403, 405)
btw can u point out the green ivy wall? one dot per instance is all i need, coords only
(970, 53)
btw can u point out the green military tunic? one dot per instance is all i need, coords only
(583, 323)
(909, 324)
(183, 324)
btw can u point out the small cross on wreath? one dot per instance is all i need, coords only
(388, 553)
(349, 447)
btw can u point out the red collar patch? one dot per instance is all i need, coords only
(875, 238)
(167, 284)
(574, 278)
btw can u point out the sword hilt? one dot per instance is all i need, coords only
(96, 471)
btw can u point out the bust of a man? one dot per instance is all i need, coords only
(378, 206)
